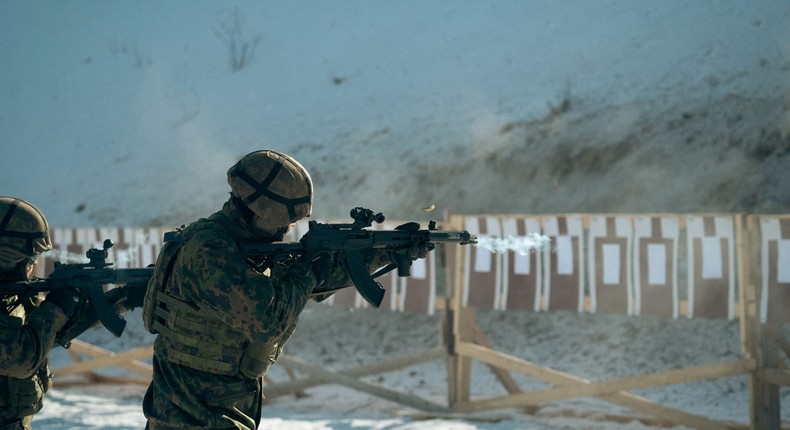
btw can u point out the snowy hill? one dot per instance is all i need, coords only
(129, 113)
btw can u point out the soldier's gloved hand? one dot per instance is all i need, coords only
(65, 299)
(421, 250)
(417, 250)
(135, 295)
(321, 265)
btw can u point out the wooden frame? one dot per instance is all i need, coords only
(765, 347)
(462, 349)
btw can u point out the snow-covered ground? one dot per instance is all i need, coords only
(591, 346)
(128, 113)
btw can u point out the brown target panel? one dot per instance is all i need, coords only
(711, 266)
(609, 251)
(775, 269)
(563, 263)
(482, 268)
(522, 271)
(655, 265)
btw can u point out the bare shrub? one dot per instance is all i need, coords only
(230, 31)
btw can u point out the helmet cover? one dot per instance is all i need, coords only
(24, 232)
(274, 186)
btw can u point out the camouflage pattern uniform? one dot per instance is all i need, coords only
(27, 333)
(27, 326)
(221, 319)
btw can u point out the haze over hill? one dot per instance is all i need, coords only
(129, 113)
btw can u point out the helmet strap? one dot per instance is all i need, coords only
(246, 214)
(249, 218)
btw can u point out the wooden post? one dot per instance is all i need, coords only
(747, 300)
(459, 368)
(763, 396)
(765, 402)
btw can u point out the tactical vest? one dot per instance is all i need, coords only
(192, 338)
(20, 398)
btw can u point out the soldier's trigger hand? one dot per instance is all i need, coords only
(301, 268)
(63, 298)
(321, 264)
(134, 295)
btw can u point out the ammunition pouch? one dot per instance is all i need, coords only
(193, 339)
(24, 397)
(258, 358)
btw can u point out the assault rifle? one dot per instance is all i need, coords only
(349, 240)
(89, 279)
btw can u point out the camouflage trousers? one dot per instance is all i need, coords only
(184, 401)
(17, 424)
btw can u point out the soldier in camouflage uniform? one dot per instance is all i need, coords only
(222, 319)
(29, 328)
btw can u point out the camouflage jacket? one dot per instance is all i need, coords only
(221, 286)
(27, 333)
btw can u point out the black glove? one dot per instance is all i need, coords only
(135, 294)
(417, 250)
(320, 264)
(420, 250)
(65, 299)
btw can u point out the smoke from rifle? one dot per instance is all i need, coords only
(521, 245)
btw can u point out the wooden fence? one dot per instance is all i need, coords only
(671, 265)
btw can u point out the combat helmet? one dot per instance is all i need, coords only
(273, 186)
(24, 232)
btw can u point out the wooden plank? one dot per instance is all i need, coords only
(501, 374)
(763, 396)
(283, 388)
(458, 367)
(775, 376)
(356, 384)
(629, 400)
(637, 382)
(606, 387)
(461, 366)
(748, 262)
(92, 378)
(127, 360)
